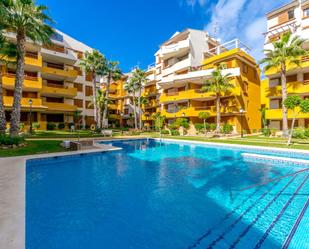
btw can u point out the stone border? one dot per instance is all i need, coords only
(275, 159)
(239, 146)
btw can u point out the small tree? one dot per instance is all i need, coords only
(159, 121)
(291, 103)
(204, 116)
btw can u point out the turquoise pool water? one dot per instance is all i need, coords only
(156, 195)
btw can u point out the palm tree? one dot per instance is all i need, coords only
(204, 116)
(218, 84)
(93, 63)
(27, 20)
(288, 50)
(7, 49)
(139, 78)
(112, 73)
(129, 86)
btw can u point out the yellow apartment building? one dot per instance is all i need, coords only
(187, 60)
(54, 83)
(292, 17)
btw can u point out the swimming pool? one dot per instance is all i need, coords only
(165, 195)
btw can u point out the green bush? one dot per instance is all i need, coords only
(165, 132)
(70, 125)
(36, 125)
(212, 126)
(306, 132)
(21, 126)
(175, 133)
(199, 126)
(299, 133)
(226, 129)
(266, 132)
(61, 126)
(51, 126)
(182, 122)
(7, 140)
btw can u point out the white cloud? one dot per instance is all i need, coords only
(243, 19)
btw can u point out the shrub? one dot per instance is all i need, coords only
(266, 132)
(7, 140)
(299, 133)
(199, 126)
(70, 125)
(165, 132)
(306, 132)
(212, 126)
(226, 129)
(175, 133)
(21, 126)
(61, 126)
(273, 132)
(50, 126)
(254, 131)
(36, 125)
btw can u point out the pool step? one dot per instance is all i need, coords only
(239, 231)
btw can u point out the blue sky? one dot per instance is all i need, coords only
(131, 31)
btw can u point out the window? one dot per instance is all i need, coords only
(291, 78)
(306, 12)
(291, 14)
(79, 87)
(78, 103)
(88, 91)
(246, 85)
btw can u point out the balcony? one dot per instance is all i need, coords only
(58, 73)
(59, 53)
(290, 67)
(36, 102)
(148, 91)
(60, 107)
(33, 60)
(292, 88)
(194, 111)
(54, 90)
(175, 49)
(195, 94)
(30, 83)
(114, 106)
(178, 66)
(276, 114)
(151, 104)
(114, 116)
(196, 76)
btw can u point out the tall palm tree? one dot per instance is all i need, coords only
(93, 64)
(27, 20)
(129, 86)
(7, 49)
(112, 73)
(218, 84)
(139, 78)
(288, 50)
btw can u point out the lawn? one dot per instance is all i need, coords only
(34, 147)
(63, 134)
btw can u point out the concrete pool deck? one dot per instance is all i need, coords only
(13, 182)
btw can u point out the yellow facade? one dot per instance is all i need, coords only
(191, 100)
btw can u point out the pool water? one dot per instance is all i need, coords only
(153, 195)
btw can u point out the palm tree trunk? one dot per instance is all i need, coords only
(104, 118)
(139, 108)
(134, 110)
(284, 96)
(205, 127)
(18, 89)
(218, 114)
(94, 93)
(291, 131)
(2, 111)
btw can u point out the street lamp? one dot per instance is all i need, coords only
(241, 121)
(30, 104)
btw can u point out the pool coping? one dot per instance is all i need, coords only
(13, 181)
(236, 146)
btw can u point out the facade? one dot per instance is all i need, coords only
(186, 61)
(54, 82)
(292, 17)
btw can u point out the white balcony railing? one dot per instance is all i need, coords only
(175, 48)
(177, 67)
(226, 47)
